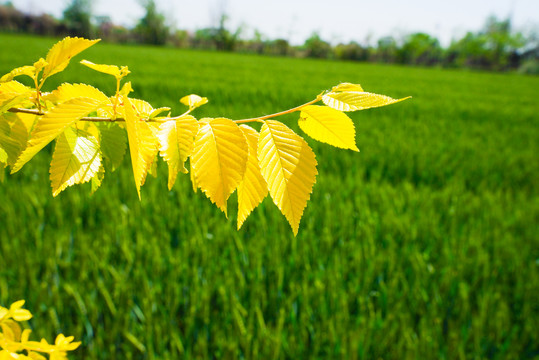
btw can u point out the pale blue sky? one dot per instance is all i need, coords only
(335, 20)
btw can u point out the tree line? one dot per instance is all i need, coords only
(495, 47)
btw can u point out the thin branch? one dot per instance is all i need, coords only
(37, 112)
(265, 117)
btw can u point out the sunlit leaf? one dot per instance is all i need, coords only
(253, 188)
(194, 184)
(347, 87)
(53, 123)
(59, 55)
(176, 138)
(328, 125)
(107, 69)
(355, 100)
(158, 111)
(193, 101)
(76, 159)
(13, 93)
(13, 137)
(288, 165)
(219, 159)
(141, 107)
(23, 70)
(70, 91)
(143, 145)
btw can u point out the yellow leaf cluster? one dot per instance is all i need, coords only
(92, 130)
(15, 343)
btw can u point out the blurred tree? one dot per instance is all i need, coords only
(77, 18)
(495, 47)
(152, 29)
(420, 49)
(316, 47)
(224, 38)
(352, 51)
(387, 50)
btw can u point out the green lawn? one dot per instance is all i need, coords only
(422, 246)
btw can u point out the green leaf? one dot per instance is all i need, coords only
(113, 143)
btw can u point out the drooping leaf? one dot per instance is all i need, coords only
(13, 138)
(113, 70)
(97, 180)
(253, 188)
(27, 70)
(328, 125)
(59, 55)
(76, 159)
(176, 139)
(143, 145)
(219, 159)
(193, 101)
(113, 143)
(193, 177)
(288, 165)
(53, 123)
(356, 100)
(70, 91)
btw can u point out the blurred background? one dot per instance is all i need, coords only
(423, 245)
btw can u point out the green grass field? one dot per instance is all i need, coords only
(422, 246)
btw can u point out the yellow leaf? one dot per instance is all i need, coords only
(347, 87)
(142, 108)
(142, 144)
(13, 137)
(328, 125)
(107, 69)
(12, 88)
(59, 55)
(158, 111)
(288, 165)
(193, 101)
(36, 356)
(176, 139)
(219, 159)
(70, 91)
(27, 70)
(253, 188)
(13, 93)
(76, 159)
(53, 123)
(193, 177)
(356, 100)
